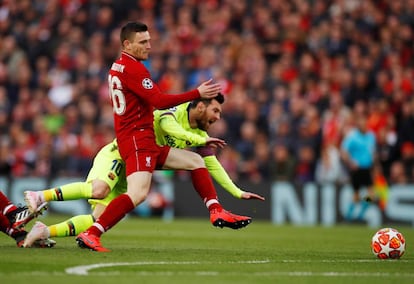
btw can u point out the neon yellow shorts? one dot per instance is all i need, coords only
(109, 167)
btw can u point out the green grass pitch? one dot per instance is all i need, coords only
(193, 251)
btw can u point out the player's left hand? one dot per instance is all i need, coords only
(251, 195)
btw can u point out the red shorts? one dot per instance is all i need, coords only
(141, 153)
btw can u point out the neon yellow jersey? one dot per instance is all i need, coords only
(180, 134)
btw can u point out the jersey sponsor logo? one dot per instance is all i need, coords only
(147, 83)
(170, 141)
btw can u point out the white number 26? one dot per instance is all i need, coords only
(117, 96)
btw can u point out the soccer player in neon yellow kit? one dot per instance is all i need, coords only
(180, 127)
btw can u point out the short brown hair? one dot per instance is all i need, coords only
(131, 28)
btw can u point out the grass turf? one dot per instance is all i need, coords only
(193, 251)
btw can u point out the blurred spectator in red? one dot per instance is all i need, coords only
(334, 119)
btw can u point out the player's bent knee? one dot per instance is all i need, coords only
(100, 189)
(196, 162)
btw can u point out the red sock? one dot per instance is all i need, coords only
(4, 223)
(114, 212)
(5, 204)
(203, 184)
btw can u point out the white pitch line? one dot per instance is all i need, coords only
(84, 269)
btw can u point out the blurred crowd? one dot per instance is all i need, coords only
(295, 74)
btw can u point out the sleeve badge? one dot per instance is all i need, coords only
(147, 83)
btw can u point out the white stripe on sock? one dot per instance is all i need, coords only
(210, 202)
(99, 227)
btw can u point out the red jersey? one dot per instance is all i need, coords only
(134, 96)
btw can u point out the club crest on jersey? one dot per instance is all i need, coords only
(147, 83)
(111, 176)
(148, 161)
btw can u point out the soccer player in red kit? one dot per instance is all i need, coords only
(134, 96)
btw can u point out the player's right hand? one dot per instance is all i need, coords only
(215, 142)
(251, 195)
(208, 89)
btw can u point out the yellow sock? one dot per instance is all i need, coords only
(71, 191)
(72, 226)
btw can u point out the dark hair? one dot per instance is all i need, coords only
(131, 28)
(219, 98)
